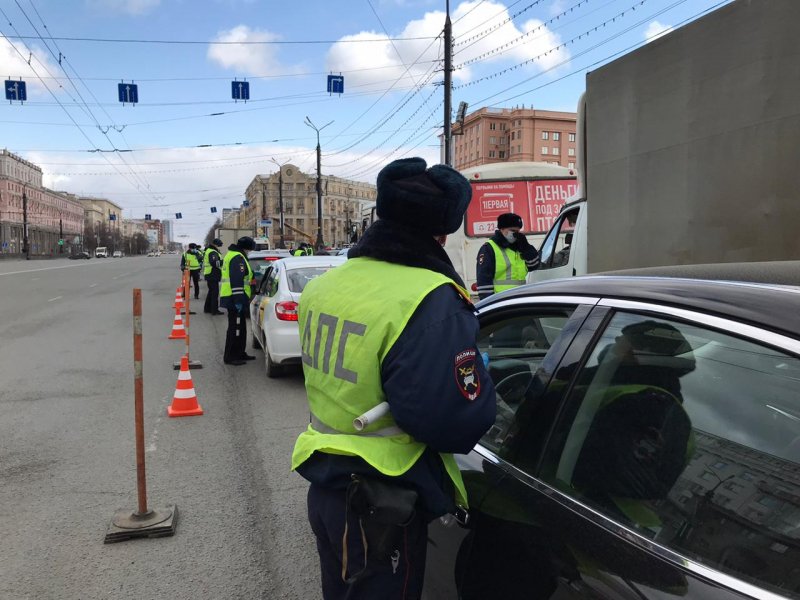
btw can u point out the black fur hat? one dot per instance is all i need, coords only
(509, 220)
(431, 201)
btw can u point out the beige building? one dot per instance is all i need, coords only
(51, 215)
(343, 202)
(515, 134)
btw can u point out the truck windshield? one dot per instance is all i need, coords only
(556, 246)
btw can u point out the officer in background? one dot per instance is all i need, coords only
(235, 292)
(191, 260)
(300, 250)
(504, 261)
(212, 273)
(393, 324)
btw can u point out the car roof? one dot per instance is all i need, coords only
(296, 262)
(264, 253)
(769, 306)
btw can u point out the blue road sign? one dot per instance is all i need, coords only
(240, 90)
(148, 217)
(112, 217)
(5, 244)
(336, 84)
(128, 92)
(246, 203)
(178, 215)
(15, 90)
(265, 223)
(213, 209)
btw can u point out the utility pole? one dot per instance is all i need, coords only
(60, 236)
(25, 248)
(320, 243)
(282, 241)
(448, 85)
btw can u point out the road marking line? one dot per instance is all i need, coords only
(44, 269)
(151, 446)
(93, 285)
(56, 298)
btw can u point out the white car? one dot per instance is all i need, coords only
(117, 254)
(273, 310)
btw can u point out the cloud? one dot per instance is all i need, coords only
(130, 7)
(14, 66)
(558, 7)
(655, 30)
(377, 64)
(246, 58)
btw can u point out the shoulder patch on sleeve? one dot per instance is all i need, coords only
(467, 380)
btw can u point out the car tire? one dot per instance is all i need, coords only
(272, 369)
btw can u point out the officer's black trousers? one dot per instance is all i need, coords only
(236, 337)
(399, 575)
(212, 297)
(196, 282)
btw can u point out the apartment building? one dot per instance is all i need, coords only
(492, 135)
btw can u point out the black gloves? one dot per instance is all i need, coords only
(521, 242)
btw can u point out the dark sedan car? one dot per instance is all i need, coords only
(80, 255)
(647, 445)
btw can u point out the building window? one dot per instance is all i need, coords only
(571, 137)
(519, 147)
(492, 139)
(502, 126)
(491, 153)
(545, 149)
(502, 153)
(555, 152)
(571, 165)
(519, 134)
(545, 135)
(513, 135)
(503, 141)
(492, 126)
(556, 136)
(571, 152)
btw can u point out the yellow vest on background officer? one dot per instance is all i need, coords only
(393, 330)
(212, 273)
(191, 261)
(505, 260)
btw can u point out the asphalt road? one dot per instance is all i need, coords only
(67, 460)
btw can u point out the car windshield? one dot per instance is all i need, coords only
(299, 278)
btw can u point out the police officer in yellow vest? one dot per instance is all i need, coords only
(234, 293)
(392, 327)
(212, 273)
(191, 260)
(504, 261)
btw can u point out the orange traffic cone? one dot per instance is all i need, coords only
(178, 300)
(178, 330)
(184, 402)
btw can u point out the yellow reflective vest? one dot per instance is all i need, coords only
(225, 288)
(345, 336)
(509, 268)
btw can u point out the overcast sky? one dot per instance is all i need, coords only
(184, 54)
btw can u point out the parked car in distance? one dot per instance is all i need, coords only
(80, 255)
(261, 259)
(646, 445)
(117, 254)
(273, 310)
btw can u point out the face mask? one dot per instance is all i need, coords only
(510, 237)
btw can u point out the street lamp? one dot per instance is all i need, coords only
(282, 242)
(320, 243)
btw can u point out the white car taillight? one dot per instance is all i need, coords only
(286, 311)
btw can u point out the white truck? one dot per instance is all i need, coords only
(687, 150)
(101, 252)
(229, 236)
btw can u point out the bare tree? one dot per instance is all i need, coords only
(212, 232)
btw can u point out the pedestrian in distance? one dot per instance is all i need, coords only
(191, 260)
(393, 330)
(212, 273)
(234, 293)
(505, 260)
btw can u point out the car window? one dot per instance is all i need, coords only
(272, 281)
(556, 246)
(262, 289)
(516, 347)
(299, 278)
(691, 437)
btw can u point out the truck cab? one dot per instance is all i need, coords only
(563, 251)
(101, 252)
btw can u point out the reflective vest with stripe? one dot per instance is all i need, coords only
(190, 261)
(206, 260)
(345, 336)
(299, 252)
(225, 288)
(509, 268)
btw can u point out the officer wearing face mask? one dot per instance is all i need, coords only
(504, 261)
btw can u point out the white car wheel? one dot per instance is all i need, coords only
(273, 369)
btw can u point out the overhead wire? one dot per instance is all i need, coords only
(223, 43)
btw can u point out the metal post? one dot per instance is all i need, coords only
(138, 387)
(25, 248)
(60, 236)
(282, 242)
(448, 74)
(320, 243)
